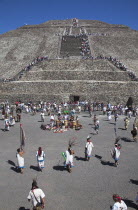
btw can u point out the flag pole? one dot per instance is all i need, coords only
(20, 137)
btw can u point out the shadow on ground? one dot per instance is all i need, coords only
(134, 181)
(93, 133)
(34, 168)
(103, 162)
(130, 203)
(86, 116)
(15, 169)
(80, 158)
(2, 129)
(59, 168)
(11, 162)
(126, 139)
(112, 123)
(122, 129)
(98, 157)
(23, 208)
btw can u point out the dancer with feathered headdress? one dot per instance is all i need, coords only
(68, 155)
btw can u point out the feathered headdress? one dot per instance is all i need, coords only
(72, 142)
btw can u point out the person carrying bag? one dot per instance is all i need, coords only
(37, 197)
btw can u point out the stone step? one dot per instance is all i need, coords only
(76, 75)
(74, 64)
(70, 81)
(70, 46)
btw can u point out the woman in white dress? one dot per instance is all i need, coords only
(40, 158)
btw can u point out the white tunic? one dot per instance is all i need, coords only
(119, 206)
(69, 158)
(40, 159)
(117, 153)
(89, 146)
(20, 161)
(38, 194)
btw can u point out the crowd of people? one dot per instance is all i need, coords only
(122, 67)
(25, 69)
(75, 22)
(82, 32)
(85, 48)
(64, 111)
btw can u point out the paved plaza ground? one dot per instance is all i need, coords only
(89, 186)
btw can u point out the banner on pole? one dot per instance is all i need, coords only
(22, 137)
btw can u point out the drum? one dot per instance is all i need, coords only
(74, 124)
(57, 123)
(66, 123)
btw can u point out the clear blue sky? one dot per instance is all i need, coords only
(15, 13)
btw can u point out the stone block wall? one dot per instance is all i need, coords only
(76, 75)
(115, 92)
(74, 64)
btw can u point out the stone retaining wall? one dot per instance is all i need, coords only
(74, 64)
(115, 92)
(76, 75)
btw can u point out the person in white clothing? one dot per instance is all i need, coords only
(11, 121)
(116, 153)
(37, 196)
(52, 120)
(119, 203)
(6, 123)
(69, 159)
(109, 115)
(42, 116)
(40, 158)
(88, 148)
(20, 160)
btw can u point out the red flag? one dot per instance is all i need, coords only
(22, 137)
